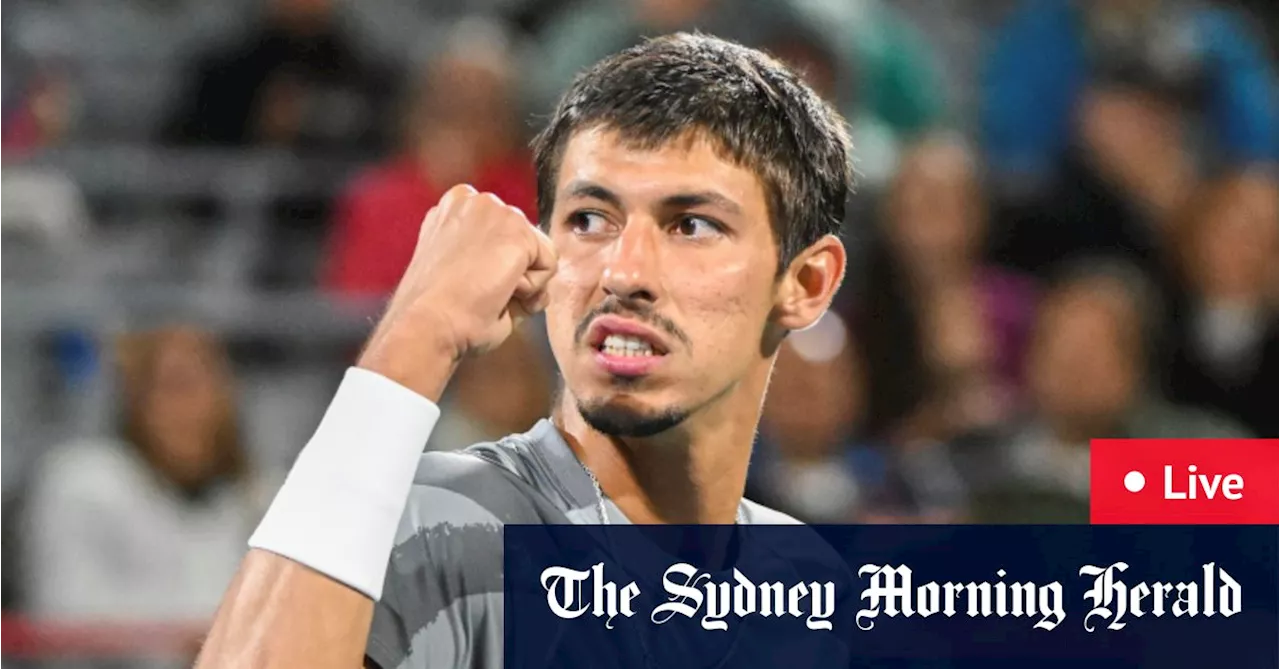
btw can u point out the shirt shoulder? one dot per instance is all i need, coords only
(442, 602)
(499, 481)
(804, 548)
(759, 514)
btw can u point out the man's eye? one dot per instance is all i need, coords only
(697, 227)
(588, 223)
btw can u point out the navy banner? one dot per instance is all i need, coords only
(892, 596)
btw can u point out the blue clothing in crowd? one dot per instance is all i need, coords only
(1041, 64)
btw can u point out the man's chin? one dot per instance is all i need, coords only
(620, 418)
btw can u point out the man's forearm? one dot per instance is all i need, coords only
(279, 613)
(304, 596)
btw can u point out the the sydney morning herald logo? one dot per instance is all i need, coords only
(890, 590)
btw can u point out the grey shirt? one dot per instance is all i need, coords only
(442, 605)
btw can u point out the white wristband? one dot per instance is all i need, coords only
(339, 507)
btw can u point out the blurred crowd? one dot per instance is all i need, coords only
(1065, 229)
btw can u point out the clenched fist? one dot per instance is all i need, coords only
(479, 268)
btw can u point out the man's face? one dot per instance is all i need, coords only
(935, 217)
(303, 16)
(1084, 369)
(665, 283)
(1232, 246)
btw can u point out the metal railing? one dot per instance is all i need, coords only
(244, 185)
(34, 309)
(232, 175)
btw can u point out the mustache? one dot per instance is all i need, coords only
(615, 306)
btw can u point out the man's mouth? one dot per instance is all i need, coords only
(626, 346)
(618, 337)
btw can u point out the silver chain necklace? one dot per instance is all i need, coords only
(604, 520)
(603, 512)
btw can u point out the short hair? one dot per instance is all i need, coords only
(756, 111)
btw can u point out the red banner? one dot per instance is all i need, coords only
(1184, 481)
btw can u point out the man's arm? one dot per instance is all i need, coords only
(278, 612)
(305, 593)
(304, 596)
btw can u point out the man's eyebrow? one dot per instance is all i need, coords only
(701, 198)
(593, 191)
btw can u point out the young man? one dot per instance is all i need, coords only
(690, 190)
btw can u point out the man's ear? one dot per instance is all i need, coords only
(810, 283)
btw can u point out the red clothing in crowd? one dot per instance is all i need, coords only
(379, 216)
(20, 136)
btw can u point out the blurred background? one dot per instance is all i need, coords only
(1066, 228)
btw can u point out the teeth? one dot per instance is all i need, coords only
(622, 345)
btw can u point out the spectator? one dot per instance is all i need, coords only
(1088, 376)
(1052, 52)
(588, 30)
(878, 72)
(296, 81)
(503, 392)
(1223, 329)
(149, 524)
(461, 129)
(41, 115)
(943, 332)
(813, 54)
(1098, 118)
(898, 82)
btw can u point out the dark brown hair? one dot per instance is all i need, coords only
(754, 109)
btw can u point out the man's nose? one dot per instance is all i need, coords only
(632, 269)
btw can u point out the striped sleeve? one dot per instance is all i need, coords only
(442, 602)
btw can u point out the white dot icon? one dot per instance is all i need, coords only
(1134, 481)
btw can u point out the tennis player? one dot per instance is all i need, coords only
(690, 191)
